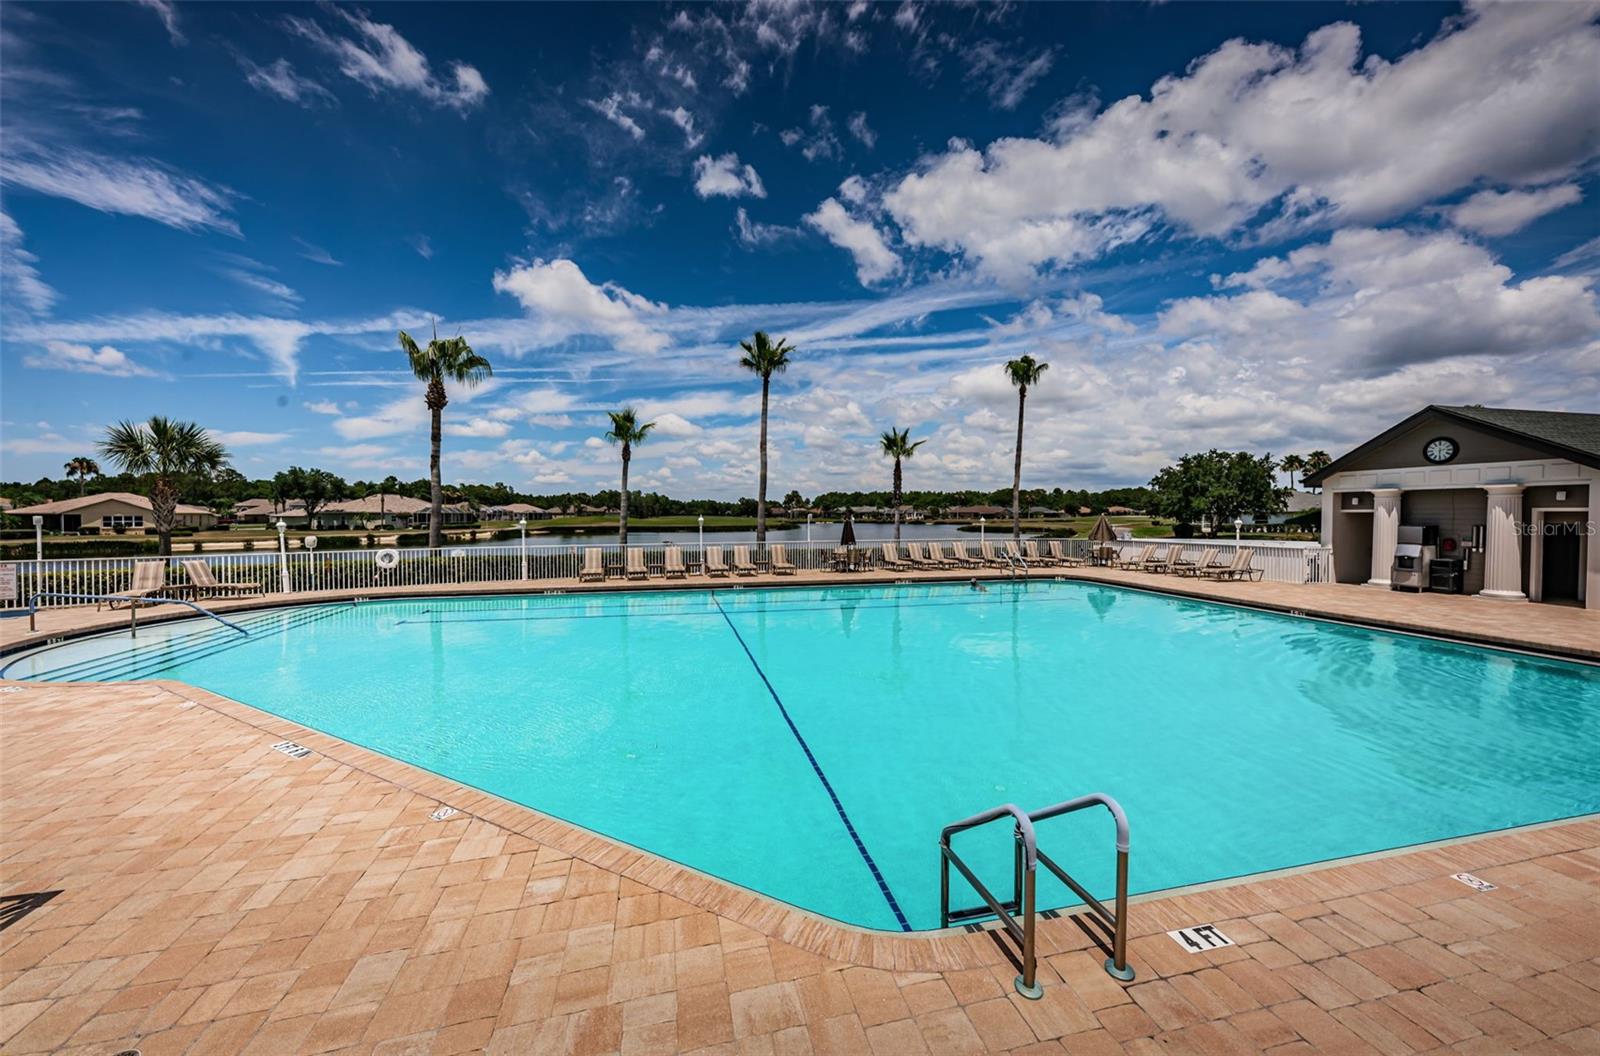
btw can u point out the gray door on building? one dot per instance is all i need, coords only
(1559, 571)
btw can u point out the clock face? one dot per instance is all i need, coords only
(1440, 449)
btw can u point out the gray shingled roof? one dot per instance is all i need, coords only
(1580, 432)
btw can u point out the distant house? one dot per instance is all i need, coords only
(1299, 502)
(265, 511)
(374, 511)
(1043, 511)
(514, 511)
(972, 513)
(111, 511)
(1084, 511)
(1121, 511)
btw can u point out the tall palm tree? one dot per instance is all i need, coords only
(1292, 464)
(626, 430)
(168, 451)
(1317, 460)
(896, 443)
(83, 468)
(451, 359)
(764, 358)
(1023, 371)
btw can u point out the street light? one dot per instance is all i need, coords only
(981, 523)
(1238, 523)
(808, 529)
(522, 527)
(702, 520)
(38, 537)
(283, 556)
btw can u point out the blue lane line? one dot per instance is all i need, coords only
(779, 609)
(866, 856)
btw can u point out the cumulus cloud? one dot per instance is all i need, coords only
(1324, 133)
(875, 261)
(561, 300)
(322, 407)
(1503, 212)
(82, 359)
(280, 79)
(246, 437)
(724, 177)
(376, 56)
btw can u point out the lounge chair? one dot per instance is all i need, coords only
(891, 557)
(635, 567)
(715, 566)
(1240, 568)
(1212, 563)
(742, 565)
(1169, 560)
(207, 585)
(987, 552)
(938, 557)
(1058, 554)
(594, 564)
(1139, 561)
(914, 557)
(1030, 552)
(959, 551)
(778, 560)
(149, 578)
(673, 564)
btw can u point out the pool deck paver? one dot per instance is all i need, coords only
(218, 896)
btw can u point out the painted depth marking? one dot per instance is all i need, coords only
(1200, 938)
(442, 814)
(292, 750)
(1473, 882)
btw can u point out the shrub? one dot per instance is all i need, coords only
(249, 544)
(1183, 531)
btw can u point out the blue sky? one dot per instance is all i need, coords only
(1277, 227)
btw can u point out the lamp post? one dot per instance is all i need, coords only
(283, 556)
(522, 528)
(808, 529)
(1238, 523)
(981, 523)
(702, 522)
(38, 537)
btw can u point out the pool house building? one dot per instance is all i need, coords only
(1503, 502)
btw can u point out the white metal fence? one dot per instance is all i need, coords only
(298, 571)
(1278, 562)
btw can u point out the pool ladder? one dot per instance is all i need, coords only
(1027, 857)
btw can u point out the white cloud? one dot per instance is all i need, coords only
(480, 427)
(281, 80)
(379, 58)
(423, 245)
(321, 407)
(861, 130)
(82, 359)
(724, 177)
(246, 438)
(1329, 134)
(754, 233)
(564, 303)
(168, 13)
(685, 122)
(316, 254)
(816, 139)
(130, 186)
(875, 261)
(22, 279)
(1005, 74)
(611, 108)
(674, 425)
(1502, 212)
(250, 273)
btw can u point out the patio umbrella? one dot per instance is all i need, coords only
(847, 537)
(1101, 534)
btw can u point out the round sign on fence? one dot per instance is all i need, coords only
(309, 542)
(387, 558)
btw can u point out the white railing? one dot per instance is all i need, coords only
(1277, 562)
(301, 571)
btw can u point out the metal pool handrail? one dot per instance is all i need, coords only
(133, 609)
(1026, 858)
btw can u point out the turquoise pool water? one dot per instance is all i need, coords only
(810, 743)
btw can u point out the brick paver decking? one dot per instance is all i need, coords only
(217, 896)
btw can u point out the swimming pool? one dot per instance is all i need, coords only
(810, 743)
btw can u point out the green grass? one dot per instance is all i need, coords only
(608, 522)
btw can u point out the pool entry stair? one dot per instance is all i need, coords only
(1026, 859)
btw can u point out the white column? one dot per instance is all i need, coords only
(1385, 533)
(1502, 556)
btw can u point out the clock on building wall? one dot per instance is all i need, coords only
(1440, 449)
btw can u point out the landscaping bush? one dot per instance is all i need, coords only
(1183, 531)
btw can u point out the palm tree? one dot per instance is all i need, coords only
(1292, 464)
(168, 451)
(626, 430)
(1317, 460)
(1023, 372)
(764, 358)
(896, 443)
(454, 359)
(83, 468)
